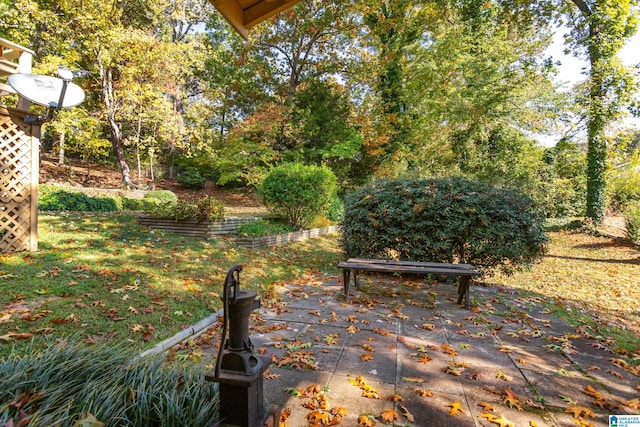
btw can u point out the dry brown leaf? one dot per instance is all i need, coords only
(366, 357)
(405, 413)
(412, 379)
(487, 406)
(424, 393)
(580, 411)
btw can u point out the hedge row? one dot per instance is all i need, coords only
(443, 220)
(52, 198)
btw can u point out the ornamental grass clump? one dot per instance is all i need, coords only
(443, 220)
(71, 384)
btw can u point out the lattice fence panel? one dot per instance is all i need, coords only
(18, 183)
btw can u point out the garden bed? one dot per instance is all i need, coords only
(203, 229)
(277, 239)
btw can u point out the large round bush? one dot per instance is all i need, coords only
(443, 220)
(298, 193)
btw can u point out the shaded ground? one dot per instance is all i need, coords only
(419, 357)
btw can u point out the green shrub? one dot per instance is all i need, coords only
(146, 204)
(632, 220)
(443, 220)
(298, 193)
(563, 197)
(335, 213)
(205, 209)
(191, 178)
(624, 189)
(69, 383)
(51, 198)
(263, 227)
(164, 196)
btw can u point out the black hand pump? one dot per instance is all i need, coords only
(238, 370)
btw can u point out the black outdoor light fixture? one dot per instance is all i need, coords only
(238, 369)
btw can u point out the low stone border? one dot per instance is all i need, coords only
(277, 239)
(204, 229)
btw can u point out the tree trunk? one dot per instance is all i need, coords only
(61, 137)
(116, 131)
(597, 146)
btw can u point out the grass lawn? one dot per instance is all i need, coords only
(104, 278)
(591, 280)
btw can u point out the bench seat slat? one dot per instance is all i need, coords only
(465, 271)
(410, 263)
(408, 269)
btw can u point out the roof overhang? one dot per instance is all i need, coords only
(244, 14)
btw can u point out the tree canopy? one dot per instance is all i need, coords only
(395, 88)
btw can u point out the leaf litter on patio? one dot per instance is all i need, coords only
(585, 279)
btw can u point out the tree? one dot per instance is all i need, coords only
(125, 56)
(392, 26)
(599, 29)
(309, 40)
(475, 87)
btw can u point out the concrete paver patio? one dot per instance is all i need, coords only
(508, 361)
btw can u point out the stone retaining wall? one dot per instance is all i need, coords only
(277, 239)
(205, 229)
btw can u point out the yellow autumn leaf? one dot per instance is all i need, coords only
(389, 416)
(455, 408)
(366, 421)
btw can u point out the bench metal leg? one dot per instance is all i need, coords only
(346, 273)
(346, 277)
(463, 290)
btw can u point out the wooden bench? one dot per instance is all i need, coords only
(465, 271)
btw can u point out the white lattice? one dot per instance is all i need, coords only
(17, 222)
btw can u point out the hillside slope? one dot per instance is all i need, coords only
(95, 179)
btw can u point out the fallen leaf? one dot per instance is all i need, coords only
(15, 336)
(567, 399)
(503, 376)
(580, 411)
(352, 329)
(511, 399)
(406, 413)
(292, 391)
(590, 391)
(455, 408)
(317, 419)
(424, 393)
(487, 406)
(366, 421)
(389, 416)
(366, 357)
(88, 421)
(615, 374)
(312, 390)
